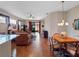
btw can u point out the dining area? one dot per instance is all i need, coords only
(64, 46)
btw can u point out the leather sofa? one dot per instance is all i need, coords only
(23, 39)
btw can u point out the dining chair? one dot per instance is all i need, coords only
(54, 46)
(73, 49)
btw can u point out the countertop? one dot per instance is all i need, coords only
(5, 38)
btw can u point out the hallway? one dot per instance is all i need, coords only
(38, 48)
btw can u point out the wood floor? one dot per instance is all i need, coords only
(38, 48)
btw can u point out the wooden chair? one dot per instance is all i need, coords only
(54, 46)
(73, 49)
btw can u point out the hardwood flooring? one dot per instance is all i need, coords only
(38, 48)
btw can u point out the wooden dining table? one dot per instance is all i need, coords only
(65, 40)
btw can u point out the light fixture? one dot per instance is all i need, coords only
(30, 15)
(63, 22)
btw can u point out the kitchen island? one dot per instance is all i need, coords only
(5, 45)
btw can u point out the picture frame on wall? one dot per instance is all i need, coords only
(76, 24)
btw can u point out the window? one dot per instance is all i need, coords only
(2, 19)
(12, 21)
(20, 25)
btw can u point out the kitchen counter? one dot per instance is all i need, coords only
(5, 38)
(5, 45)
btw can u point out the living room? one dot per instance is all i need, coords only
(33, 28)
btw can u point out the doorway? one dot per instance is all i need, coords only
(35, 26)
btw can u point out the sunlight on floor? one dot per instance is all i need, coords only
(37, 38)
(37, 42)
(14, 53)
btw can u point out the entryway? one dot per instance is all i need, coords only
(35, 26)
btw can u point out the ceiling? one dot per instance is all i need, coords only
(38, 9)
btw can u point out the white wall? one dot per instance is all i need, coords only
(27, 23)
(53, 18)
(71, 15)
(42, 23)
(51, 22)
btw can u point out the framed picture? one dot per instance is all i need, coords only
(76, 24)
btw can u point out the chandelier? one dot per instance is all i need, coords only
(63, 22)
(30, 15)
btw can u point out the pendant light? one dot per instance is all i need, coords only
(63, 22)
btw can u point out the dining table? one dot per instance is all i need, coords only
(65, 40)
